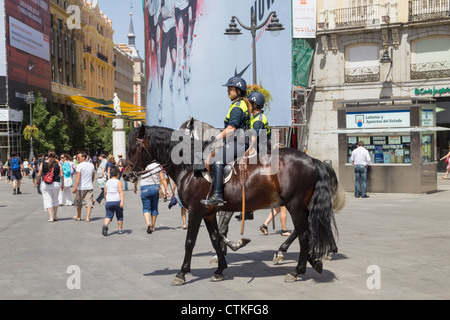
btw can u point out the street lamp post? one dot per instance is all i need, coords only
(30, 99)
(275, 27)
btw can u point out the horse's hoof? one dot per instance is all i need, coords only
(214, 260)
(243, 242)
(216, 278)
(177, 282)
(290, 278)
(277, 258)
(318, 267)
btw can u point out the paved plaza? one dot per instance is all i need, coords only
(391, 246)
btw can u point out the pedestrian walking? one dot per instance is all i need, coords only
(361, 160)
(121, 164)
(26, 168)
(176, 199)
(84, 188)
(111, 162)
(101, 177)
(283, 219)
(15, 167)
(65, 195)
(150, 186)
(446, 157)
(52, 181)
(114, 200)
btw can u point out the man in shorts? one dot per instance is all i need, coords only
(15, 167)
(84, 187)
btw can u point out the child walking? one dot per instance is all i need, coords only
(114, 200)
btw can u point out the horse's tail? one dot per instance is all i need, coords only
(322, 225)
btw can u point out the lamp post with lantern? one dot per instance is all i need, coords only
(274, 27)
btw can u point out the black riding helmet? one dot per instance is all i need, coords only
(237, 82)
(257, 98)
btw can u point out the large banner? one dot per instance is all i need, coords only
(3, 92)
(28, 49)
(189, 59)
(304, 18)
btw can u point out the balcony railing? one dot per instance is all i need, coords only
(362, 16)
(102, 57)
(420, 10)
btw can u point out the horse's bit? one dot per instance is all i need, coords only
(139, 146)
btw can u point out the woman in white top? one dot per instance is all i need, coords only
(114, 200)
(150, 186)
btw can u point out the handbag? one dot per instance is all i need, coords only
(68, 182)
(48, 178)
(101, 182)
(446, 160)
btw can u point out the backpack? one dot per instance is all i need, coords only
(48, 178)
(15, 164)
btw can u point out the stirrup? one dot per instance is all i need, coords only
(214, 200)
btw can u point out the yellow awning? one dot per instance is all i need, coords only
(105, 108)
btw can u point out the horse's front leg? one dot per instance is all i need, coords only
(191, 237)
(213, 230)
(224, 220)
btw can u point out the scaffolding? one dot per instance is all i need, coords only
(10, 138)
(299, 128)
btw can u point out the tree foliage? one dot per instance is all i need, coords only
(73, 135)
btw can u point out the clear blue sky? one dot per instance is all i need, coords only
(119, 12)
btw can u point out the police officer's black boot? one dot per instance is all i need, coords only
(217, 197)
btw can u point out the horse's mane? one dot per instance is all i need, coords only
(161, 144)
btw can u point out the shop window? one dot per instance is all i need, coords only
(383, 149)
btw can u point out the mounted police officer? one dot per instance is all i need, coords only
(237, 118)
(258, 120)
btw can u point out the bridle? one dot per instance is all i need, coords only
(140, 148)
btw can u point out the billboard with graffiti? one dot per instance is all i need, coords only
(189, 59)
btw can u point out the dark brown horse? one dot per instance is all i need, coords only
(301, 183)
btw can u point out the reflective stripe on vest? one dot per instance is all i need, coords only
(260, 117)
(238, 104)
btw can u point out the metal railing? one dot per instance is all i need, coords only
(419, 10)
(358, 16)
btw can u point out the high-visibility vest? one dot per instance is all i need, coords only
(243, 106)
(260, 117)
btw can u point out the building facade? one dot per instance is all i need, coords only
(123, 75)
(98, 61)
(139, 94)
(380, 53)
(67, 50)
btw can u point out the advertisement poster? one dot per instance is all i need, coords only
(189, 59)
(28, 49)
(3, 95)
(304, 18)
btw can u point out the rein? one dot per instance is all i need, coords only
(140, 147)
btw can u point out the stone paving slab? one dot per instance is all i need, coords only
(405, 236)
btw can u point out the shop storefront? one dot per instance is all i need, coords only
(441, 95)
(400, 136)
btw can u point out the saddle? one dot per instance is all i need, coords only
(228, 170)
